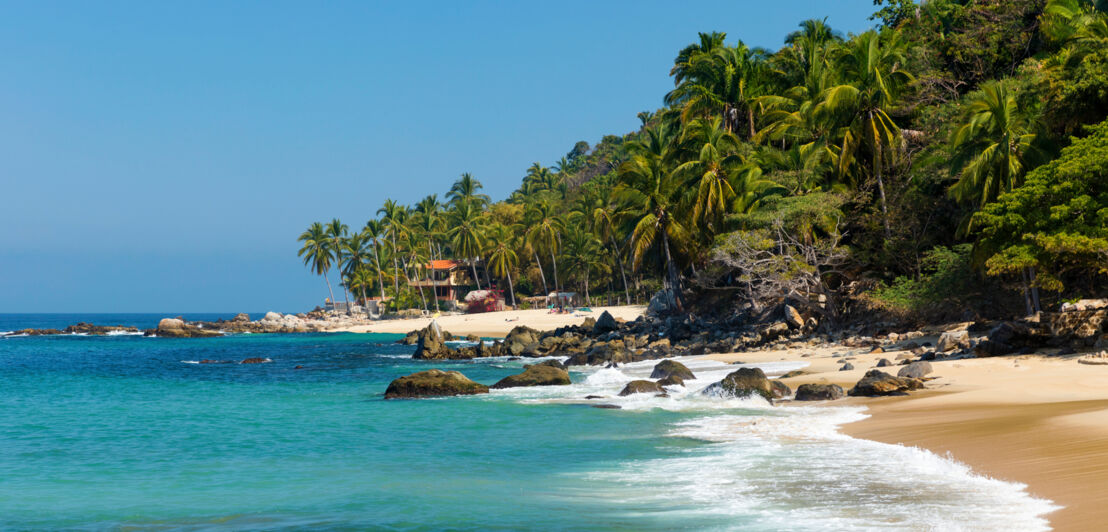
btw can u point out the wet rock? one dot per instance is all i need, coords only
(473, 338)
(847, 367)
(794, 373)
(255, 360)
(241, 317)
(819, 392)
(537, 375)
(641, 386)
(672, 380)
(433, 383)
(432, 343)
(607, 406)
(177, 328)
(877, 383)
(605, 323)
(744, 383)
(552, 363)
(915, 370)
(589, 323)
(667, 368)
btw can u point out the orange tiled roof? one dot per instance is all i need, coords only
(444, 264)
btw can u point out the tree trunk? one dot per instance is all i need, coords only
(395, 268)
(329, 291)
(586, 287)
(619, 260)
(877, 162)
(1027, 292)
(750, 118)
(380, 272)
(674, 282)
(554, 261)
(434, 289)
(473, 266)
(545, 289)
(511, 288)
(365, 302)
(1035, 291)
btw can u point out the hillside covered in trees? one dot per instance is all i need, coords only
(951, 162)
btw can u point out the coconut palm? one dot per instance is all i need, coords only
(582, 256)
(544, 228)
(393, 215)
(317, 252)
(465, 190)
(428, 224)
(502, 256)
(725, 81)
(652, 191)
(356, 254)
(466, 234)
(337, 231)
(605, 214)
(711, 170)
(995, 146)
(373, 231)
(873, 79)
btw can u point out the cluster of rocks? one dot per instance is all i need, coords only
(272, 322)
(438, 383)
(79, 328)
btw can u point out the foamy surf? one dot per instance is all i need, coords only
(782, 467)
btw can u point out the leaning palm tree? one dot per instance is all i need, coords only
(317, 252)
(995, 146)
(712, 170)
(355, 253)
(337, 231)
(873, 75)
(466, 234)
(651, 189)
(428, 223)
(502, 256)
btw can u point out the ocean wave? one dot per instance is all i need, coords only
(775, 467)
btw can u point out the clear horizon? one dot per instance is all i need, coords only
(161, 156)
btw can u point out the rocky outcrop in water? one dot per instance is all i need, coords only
(536, 375)
(747, 382)
(671, 368)
(433, 383)
(641, 386)
(178, 328)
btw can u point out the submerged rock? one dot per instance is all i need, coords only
(641, 386)
(255, 360)
(671, 368)
(537, 375)
(433, 383)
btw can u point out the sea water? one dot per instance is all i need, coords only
(130, 432)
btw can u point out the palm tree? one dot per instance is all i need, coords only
(502, 256)
(713, 170)
(465, 190)
(392, 217)
(337, 230)
(361, 279)
(995, 146)
(871, 68)
(428, 220)
(466, 234)
(582, 256)
(355, 254)
(373, 230)
(651, 189)
(724, 81)
(317, 252)
(544, 228)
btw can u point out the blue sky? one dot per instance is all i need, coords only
(163, 157)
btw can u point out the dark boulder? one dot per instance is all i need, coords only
(819, 392)
(672, 380)
(537, 375)
(552, 363)
(255, 360)
(432, 344)
(667, 368)
(877, 382)
(915, 370)
(884, 362)
(847, 366)
(433, 383)
(605, 323)
(641, 386)
(747, 382)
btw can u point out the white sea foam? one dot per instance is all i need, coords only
(123, 333)
(782, 467)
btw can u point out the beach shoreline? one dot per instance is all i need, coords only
(495, 324)
(1037, 420)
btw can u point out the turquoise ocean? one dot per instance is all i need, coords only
(130, 433)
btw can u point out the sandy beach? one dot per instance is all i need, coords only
(496, 324)
(1035, 419)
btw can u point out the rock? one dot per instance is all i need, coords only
(672, 380)
(819, 392)
(641, 386)
(744, 383)
(1084, 326)
(473, 338)
(433, 383)
(600, 354)
(667, 368)
(883, 363)
(432, 343)
(589, 323)
(519, 338)
(272, 316)
(928, 356)
(780, 389)
(255, 360)
(241, 317)
(552, 363)
(793, 317)
(951, 340)
(794, 373)
(877, 382)
(594, 397)
(915, 370)
(847, 367)
(605, 323)
(169, 324)
(773, 331)
(607, 406)
(1098, 359)
(661, 303)
(536, 375)
(1085, 304)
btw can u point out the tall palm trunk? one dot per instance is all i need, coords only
(328, 281)
(750, 118)
(545, 289)
(434, 289)
(557, 285)
(511, 288)
(619, 260)
(365, 301)
(473, 266)
(674, 281)
(395, 268)
(880, 182)
(409, 278)
(380, 272)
